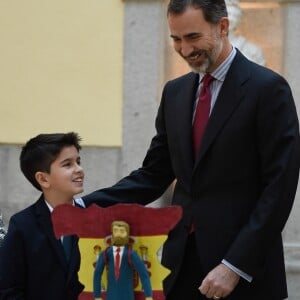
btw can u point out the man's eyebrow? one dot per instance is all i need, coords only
(188, 35)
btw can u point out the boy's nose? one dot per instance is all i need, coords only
(79, 168)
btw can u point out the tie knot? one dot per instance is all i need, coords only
(207, 79)
(118, 249)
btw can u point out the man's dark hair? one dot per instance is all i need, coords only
(39, 152)
(213, 10)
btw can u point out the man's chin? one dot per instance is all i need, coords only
(119, 244)
(199, 68)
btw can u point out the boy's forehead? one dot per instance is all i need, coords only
(67, 152)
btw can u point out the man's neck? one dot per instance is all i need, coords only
(227, 48)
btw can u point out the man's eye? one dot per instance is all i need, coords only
(175, 39)
(194, 37)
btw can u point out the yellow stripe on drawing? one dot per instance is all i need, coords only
(149, 248)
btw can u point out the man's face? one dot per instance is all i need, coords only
(196, 41)
(119, 236)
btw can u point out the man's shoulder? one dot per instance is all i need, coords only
(184, 78)
(255, 70)
(187, 81)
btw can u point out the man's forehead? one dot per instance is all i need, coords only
(119, 227)
(187, 22)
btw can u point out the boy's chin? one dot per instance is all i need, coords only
(79, 190)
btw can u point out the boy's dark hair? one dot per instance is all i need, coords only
(213, 10)
(39, 153)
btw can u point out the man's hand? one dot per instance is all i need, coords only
(219, 282)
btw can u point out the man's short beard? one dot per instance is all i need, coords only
(204, 67)
(210, 59)
(119, 241)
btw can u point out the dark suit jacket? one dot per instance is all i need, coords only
(123, 287)
(32, 261)
(240, 191)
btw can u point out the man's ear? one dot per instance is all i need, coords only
(224, 27)
(43, 179)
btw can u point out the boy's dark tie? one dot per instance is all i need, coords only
(202, 112)
(67, 244)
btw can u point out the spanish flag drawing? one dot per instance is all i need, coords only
(149, 228)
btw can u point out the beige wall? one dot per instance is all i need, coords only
(61, 69)
(262, 24)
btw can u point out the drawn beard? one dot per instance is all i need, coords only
(120, 241)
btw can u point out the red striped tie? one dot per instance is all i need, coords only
(202, 112)
(117, 264)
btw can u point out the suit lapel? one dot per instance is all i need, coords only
(124, 256)
(44, 219)
(228, 99)
(184, 100)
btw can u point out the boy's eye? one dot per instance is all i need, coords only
(67, 164)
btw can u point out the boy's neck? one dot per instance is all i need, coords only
(54, 199)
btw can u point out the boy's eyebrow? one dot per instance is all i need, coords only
(69, 159)
(65, 160)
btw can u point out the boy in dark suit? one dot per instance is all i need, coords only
(33, 263)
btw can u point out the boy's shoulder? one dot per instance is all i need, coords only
(26, 214)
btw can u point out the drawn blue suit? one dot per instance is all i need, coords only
(123, 287)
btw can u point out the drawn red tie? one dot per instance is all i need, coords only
(202, 112)
(117, 264)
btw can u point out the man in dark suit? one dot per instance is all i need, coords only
(120, 279)
(34, 264)
(237, 188)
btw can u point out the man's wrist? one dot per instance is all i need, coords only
(242, 274)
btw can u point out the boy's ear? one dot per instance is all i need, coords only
(42, 179)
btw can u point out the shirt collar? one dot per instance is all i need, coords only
(220, 72)
(51, 208)
(115, 248)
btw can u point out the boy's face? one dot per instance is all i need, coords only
(66, 175)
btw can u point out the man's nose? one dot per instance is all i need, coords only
(186, 49)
